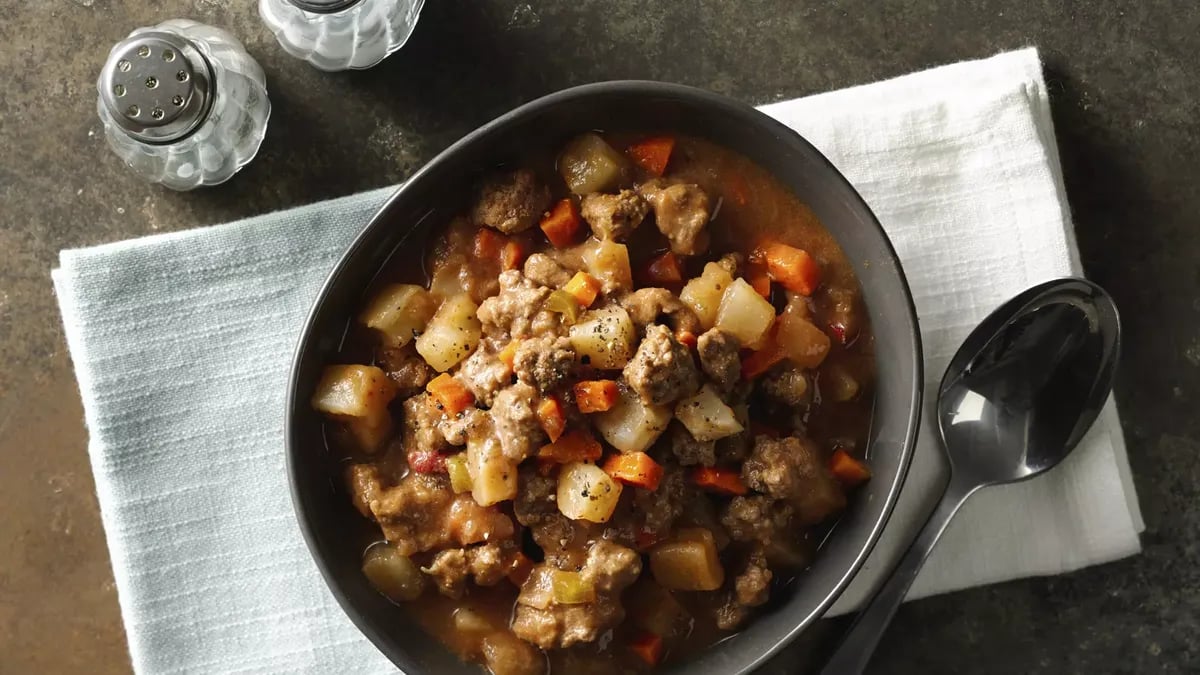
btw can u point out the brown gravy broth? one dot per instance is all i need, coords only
(753, 207)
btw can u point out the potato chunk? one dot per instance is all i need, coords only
(745, 314)
(604, 337)
(506, 654)
(589, 164)
(493, 476)
(804, 343)
(707, 417)
(392, 574)
(398, 312)
(452, 334)
(370, 433)
(631, 425)
(608, 261)
(353, 391)
(586, 492)
(688, 562)
(704, 293)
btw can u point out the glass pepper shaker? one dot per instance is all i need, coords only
(183, 104)
(341, 34)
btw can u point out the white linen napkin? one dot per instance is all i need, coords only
(181, 343)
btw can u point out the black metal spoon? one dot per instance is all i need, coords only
(1022, 390)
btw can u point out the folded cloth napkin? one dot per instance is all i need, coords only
(181, 343)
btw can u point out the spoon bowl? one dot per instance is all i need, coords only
(1029, 382)
(1017, 397)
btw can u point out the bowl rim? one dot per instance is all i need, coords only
(691, 95)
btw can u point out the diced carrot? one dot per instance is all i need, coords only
(847, 469)
(759, 280)
(562, 223)
(574, 446)
(512, 256)
(520, 569)
(508, 355)
(647, 646)
(652, 154)
(488, 243)
(662, 270)
(736, 189)
(553, 420)
(792, 267)
(595, 395)
(451, 395)
(584, 287)
(635, 468)
(687, 338)
(722, 480)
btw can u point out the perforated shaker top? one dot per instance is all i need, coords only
(158, 86)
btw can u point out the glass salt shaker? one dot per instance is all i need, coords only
(183, 104)
(341, 34)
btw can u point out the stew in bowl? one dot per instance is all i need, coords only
(615, 411)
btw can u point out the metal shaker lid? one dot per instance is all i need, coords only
(158, 86)
(323, 6)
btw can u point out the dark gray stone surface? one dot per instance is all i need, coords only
(1125, 96)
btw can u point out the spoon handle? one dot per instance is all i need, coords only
(859, 643)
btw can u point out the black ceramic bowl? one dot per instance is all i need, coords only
(336, 533)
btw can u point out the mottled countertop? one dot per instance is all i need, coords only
(1125, 95)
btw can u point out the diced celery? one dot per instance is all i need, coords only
(570, 588)
(460, 476)
(564, 303)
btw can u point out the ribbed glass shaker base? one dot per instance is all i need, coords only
(230, 134)
(354, 38)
